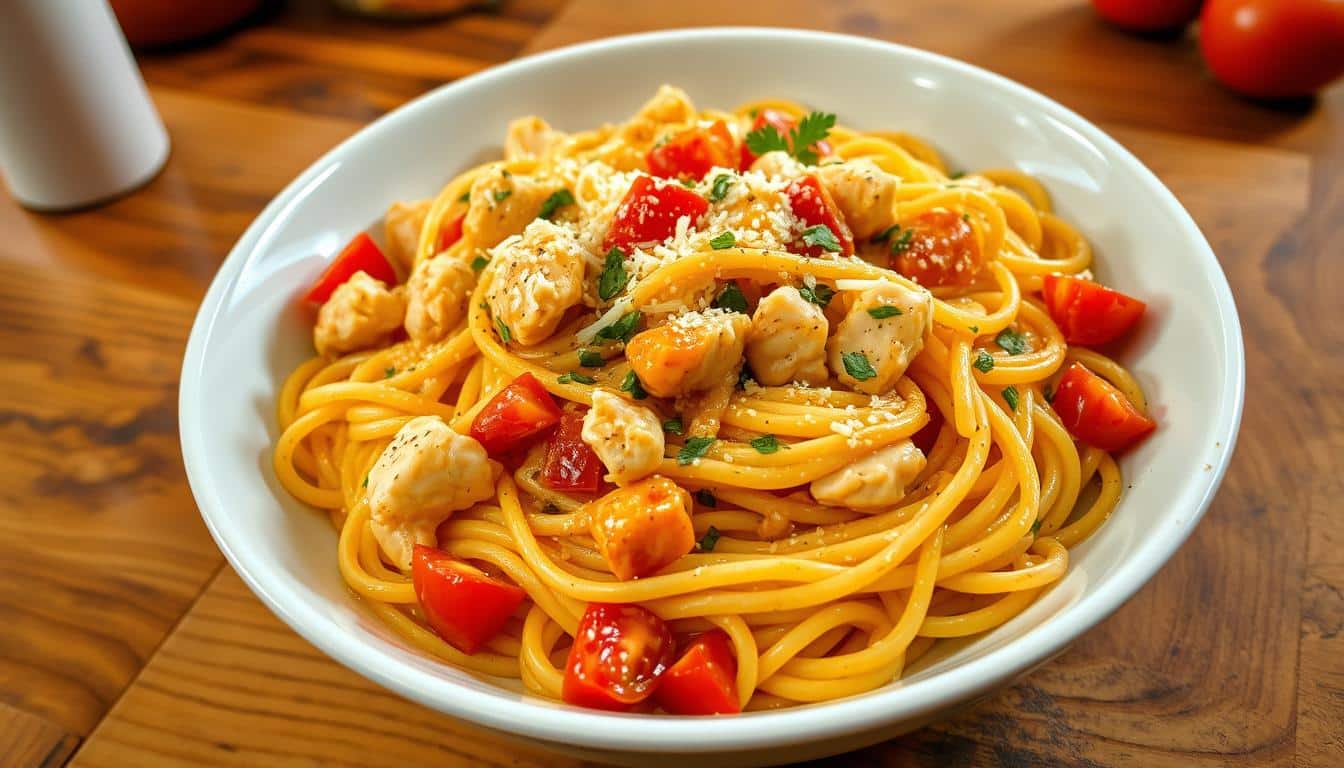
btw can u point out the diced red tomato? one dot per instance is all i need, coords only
(520, 410)
(1097, 413)
(704, 679)
(783, 123)
(691, 153)
(648, 214)
(928, 434)
(463, 605)
(570, 464)
(361, 254)
(618, 656)
(1088, 312)
(941, 250)
(813, 205)
(450, 233)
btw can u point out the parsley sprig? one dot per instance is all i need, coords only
(614, 277)
(801, 141)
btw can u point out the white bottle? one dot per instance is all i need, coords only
(77, 126)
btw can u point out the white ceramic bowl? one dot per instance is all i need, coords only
(250, 333)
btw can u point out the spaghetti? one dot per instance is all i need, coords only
(828, 571)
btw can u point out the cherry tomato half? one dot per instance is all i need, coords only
(691, 153)
(570, 464)
(520, 410)
(1087, 312)
(461, 604)
(704, 679)
(361, 254)
(1097, 413)
(619, 653)
(938, 248)
(649, 212)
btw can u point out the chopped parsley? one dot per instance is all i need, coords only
(984, 362)
(614, 277)
(765, 444)
(673, 427)
(1010, 397)
(720, 188)
(709, 540)
(1036, 527)
(820, 295)
(884, 235)
(1011, 341)
(725, 240)
(694, 448)
(902, 243)
(857, 366)
(479, 263)
(975, 329)
(505, 335)
(800, 142)
(883, 312)
(558, 199)
(731, 299)
(465, 197)
(591, 358)
(389, 373)
(966, 217)
(366, 481)
(572, 376)
(706, 498)
(821, 235)
(631, 384)
(622, 329)
(502, 194)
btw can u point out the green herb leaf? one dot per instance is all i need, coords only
(622, 329)
(720, 188)
(725, 240)
(821, 295)
(1011, 341)
(966, 217)
(1010, 397)
(694, 448)
(673, 427)
(706, 498)
(885, 235)
(465, 197)
(366, 481)
(975, 329)
(558, 199)
(765, 444)
(709, 540)
(502, 194)
(766, 139)
(505, 335)
(389, 373)
(804, 136)
(566, 378)
(479, 263)
(688, 183)
(984, 362)
(590, 358)
(1049, 394)
(902, 243)
(631, 384)
(884, 311)
(821, 235)
(614, 277)
(731, 299)
(857, 366)
(1036, 527)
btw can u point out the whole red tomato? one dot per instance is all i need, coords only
(1274, 49)
(1148, 15)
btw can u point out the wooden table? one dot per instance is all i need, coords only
(126, 640)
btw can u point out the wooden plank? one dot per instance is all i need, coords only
(31, 742)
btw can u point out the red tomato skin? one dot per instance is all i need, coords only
(450, 233)
(648, 214)
(1089, 313)
(618, 656)
(570, 464)
(813, 205)
(1273, 49)
(693, 152)
(704, 679)
(462, 605)
(520, 410)
(783, 123)
(941, 251)
(361, 254)
(1097, 413)
(1148, 15)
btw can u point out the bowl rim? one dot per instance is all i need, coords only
(564, 724)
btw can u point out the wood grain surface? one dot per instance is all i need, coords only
(124, 640)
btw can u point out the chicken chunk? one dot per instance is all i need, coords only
(362, 312)
(401, 230)
(628, 438)
(425, 474)
(787, 340)
(692, 351)
(501, 205)
(865, 194)
(875, 481)
(669, 106)
(873, 346)
(436, 297)
(642, 527)
(538, 277)
(529, 137)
